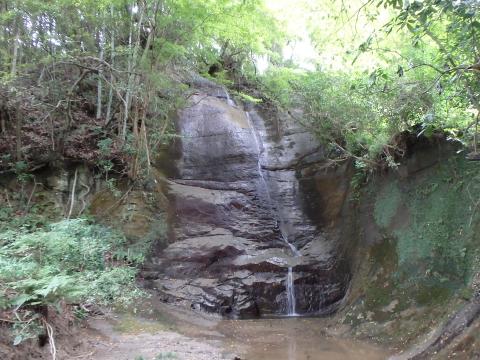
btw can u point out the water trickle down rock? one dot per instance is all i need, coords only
(280, 222)
(226, 251)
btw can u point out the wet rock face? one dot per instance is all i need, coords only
(236, 199)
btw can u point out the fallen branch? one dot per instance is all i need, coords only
(8, 321)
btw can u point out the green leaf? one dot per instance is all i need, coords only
(18, 339)
(22, 299)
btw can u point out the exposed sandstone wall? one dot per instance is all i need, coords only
(246, 181)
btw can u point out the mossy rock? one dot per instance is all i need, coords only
(387, 203)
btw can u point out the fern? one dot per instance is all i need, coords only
(73, 261)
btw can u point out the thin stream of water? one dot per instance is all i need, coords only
(229, 99)
(290, 286)
(291, 302)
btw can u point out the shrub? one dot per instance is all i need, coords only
(72, 260)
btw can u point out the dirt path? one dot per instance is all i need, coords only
(109, 343)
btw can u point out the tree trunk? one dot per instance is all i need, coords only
(108, 116)
(101, 44)
(16, 45)
(128, 90)
(2, 125)
(18, 135)
(133, 59)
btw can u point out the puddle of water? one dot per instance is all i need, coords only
(293, 338)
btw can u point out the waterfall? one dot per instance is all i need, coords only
(290, 287)
(259, 165)
(291, 302)
(291, 293)
(229, 99)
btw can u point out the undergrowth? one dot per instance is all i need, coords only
(73, 262)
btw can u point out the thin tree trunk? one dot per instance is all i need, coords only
(16, 45)
(18, 135)
(42, 74)
(101, 44)
(135, 124)
(131, 66)
(128, 90)
(108, 116)
(147, 150)
(475, 135)
(137, 139)
(3, 115)
(52, 133)
(151, 34)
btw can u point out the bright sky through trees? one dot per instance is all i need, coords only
(326, 33)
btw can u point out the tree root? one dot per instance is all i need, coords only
(72, 200)
(51, 340)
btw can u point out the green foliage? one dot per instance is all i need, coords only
(72, 260)
(13, 219)
(248, 98)
(21, 170)
(27, 330)
(104, 161)
(196, 32)
(135, 58)
(344, 110)
(279, 82)
(418, 70)
(442, 35)
(113, 286)
(358, 180)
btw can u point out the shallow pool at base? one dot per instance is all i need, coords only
(289, 338)
(292, 339)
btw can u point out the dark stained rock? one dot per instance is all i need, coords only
(236, 199)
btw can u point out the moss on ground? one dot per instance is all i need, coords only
(131, 324)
